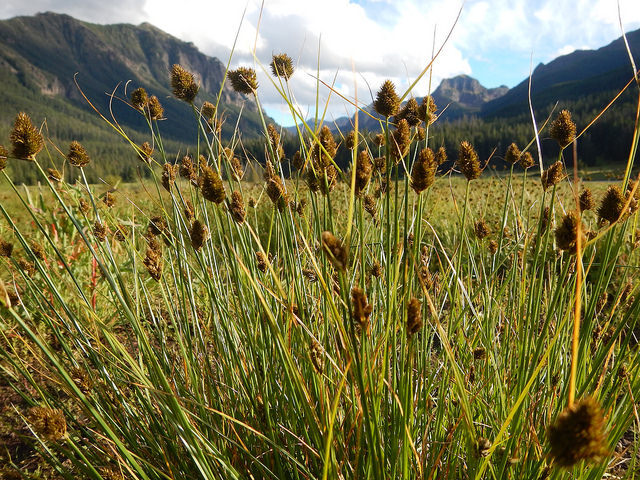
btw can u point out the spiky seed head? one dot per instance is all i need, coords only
(586, 200)
(243, 80)
(211, 185)
(421, 134)
(276, 191)
(350, 140)
(187, 169)
(633, 196)
(361, 309)
(183, 84)
(237, 171)
(563, 130)
(376, 269)
(387, 101)
(401, 140)
(282, 66)
(25, 139)
(479, 353)
(48, 423)
(612, 205)
(379, 140)
(483, 446)
(493, 247)
(6, 248)
(236, 207)
(156, 111)
(273, 136)
(424, 171)
(410, 112)
(427, 110)
(54, 175)
(325, 148)
(364, 169)
(335, 251)
(262, 262)
(157, 226)
(527, 161)
(298, 160)
(199, 234)
(139, 98)
(168, 176)
(145, 151)
(481, 229)
(78, 156)
(441, 156)
(414, 317)
(208, 110)
(552, 175)
(3, 157)
(100, 231)
(578, 434)
(513, 154)
(468, 161)
(121, 233)
(567, 232)
(370, 205)
(317, 356)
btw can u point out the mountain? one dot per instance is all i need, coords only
(570, 77)
(464, 95)
(41, 54)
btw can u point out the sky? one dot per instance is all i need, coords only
(355, 45)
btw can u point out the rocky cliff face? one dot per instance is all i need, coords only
(46, 50)
(466, 92)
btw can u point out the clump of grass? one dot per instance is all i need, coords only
(180, 334)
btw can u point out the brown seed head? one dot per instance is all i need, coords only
(364, 169)
(414, 317)
(493, 247)
(26, 140)
(156, 111)
(261, 261)
(236, 207)
(298, 160)
(168, 176)
(208, 110)
(423, 172)
(199, 234)
(441, 156)
(54, 175)
(183, 84)
(552, 175)
(211, 185)
(578, 434)
(100, 231)
(379, 140)
(481, 229)
(586, 200)
(187, 169)
(410, 112)
(6, 248)
(527, 161)
(282, 66)
(567, 232)
(317, 356)
(325, 148)
(48, 423)
(350, 140)
(145, 151)
(277, 192)
(370, 205)
(513, 154)
(157, 226)
(427, 110)
(273, 136)
(468, 161)
(563, 130)
(243, 80)
(139, 98)
(387, 101)
(400, 140)
(335, 251)
(38, 250)
(361, 308)
(78, 156)
(612, 205)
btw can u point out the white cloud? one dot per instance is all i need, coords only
(379, 38)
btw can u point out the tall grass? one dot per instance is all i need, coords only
(319, 326)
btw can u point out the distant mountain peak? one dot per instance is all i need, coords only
(464, 95)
